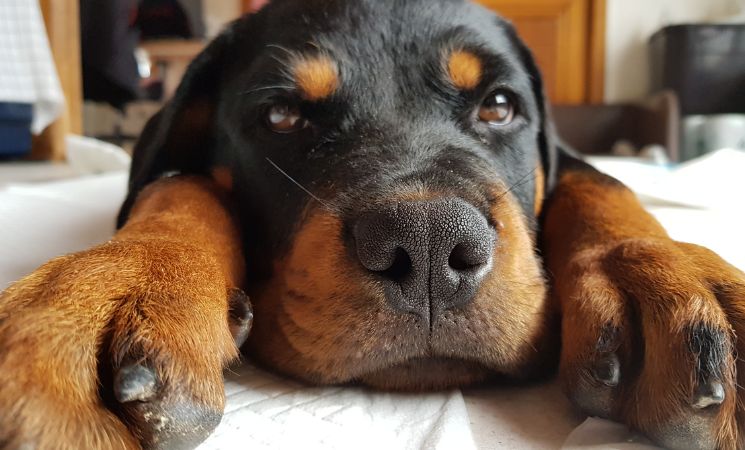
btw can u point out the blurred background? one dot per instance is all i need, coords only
(658, 79)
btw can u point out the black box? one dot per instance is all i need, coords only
(703, 64)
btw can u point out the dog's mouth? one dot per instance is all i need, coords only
(427, 374)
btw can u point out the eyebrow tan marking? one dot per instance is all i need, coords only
(316, 77)
(465, 69)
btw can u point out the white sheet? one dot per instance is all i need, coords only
(44, 220)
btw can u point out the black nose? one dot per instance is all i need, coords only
(431, 255)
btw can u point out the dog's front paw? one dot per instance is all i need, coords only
(120, 346)
(651, 333)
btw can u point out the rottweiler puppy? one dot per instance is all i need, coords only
(381, 177)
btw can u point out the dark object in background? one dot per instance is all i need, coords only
(195, 13)
(15, 129)
(159, 19)
(703, 64)
(108, 40)
(595, 129)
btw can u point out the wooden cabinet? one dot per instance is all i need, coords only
(567, 38)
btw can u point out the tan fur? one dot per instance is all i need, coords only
(158, 288)
(540, 190)
(612, 261)
(316, 77)
(465, 69)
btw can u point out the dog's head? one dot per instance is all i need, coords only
(390, 160)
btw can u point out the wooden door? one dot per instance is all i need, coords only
(567, 38)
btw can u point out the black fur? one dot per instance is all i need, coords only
(395, 119)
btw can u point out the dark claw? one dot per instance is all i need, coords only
(240, 315)
(608, 370)
(135, 383)
(708, 393)
(710, 347)
(609, 340)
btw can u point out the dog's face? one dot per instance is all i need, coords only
(389, 159)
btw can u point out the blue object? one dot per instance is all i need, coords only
(15, 129)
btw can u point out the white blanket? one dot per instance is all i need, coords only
(40, 221)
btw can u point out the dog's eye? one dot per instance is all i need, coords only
(284, 118)
(498, 109)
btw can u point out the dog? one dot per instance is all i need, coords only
(381, 178)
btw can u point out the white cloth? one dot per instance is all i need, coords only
(27, 70)
(268, 412)
(264, 411)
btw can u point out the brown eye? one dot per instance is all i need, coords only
(283, 118)
(498, 109)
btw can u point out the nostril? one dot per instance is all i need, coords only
(457, 259)
(465, 257)
(400, 268)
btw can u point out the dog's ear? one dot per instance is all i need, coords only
(180, 137)
(547, 139)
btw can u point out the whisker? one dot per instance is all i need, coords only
(282, 63)
(279, 47)
(521, 181)
(297, 183)
(266, 88)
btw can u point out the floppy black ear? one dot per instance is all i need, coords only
(547, 139)
(180, 137)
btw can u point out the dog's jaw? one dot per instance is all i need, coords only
(427, 374)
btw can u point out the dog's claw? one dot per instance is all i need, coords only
(608, 370)
(135, 383)
(241, 315)
(708, 393)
